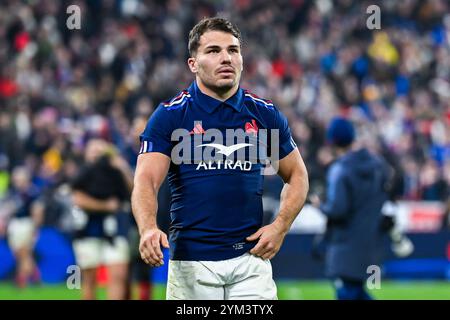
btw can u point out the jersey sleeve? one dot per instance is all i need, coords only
(337, 202)
(286, 142)
(157, 133)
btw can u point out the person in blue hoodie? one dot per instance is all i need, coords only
(355, 195)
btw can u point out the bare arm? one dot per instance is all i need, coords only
(150, 172)
(293, 196)
(293, 172)
(86, 202)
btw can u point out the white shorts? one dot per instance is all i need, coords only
(20, 233)
(93, 252)
(246, 277)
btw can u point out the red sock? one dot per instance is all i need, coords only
(21, 281)
(144, 290)
(35, 276)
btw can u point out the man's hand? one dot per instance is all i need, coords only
(150, 247)
(270, 240)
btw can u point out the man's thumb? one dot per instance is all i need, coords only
(255, 236)
(164, 241)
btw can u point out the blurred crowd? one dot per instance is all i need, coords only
(315, 59)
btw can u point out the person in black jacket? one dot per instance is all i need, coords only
(355, 195)
(99, 192)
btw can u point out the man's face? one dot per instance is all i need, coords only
(218, 61)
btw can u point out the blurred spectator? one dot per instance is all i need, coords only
(446, 217)
(355, 196)
(99, 192)
(433, 186)
(20, 202)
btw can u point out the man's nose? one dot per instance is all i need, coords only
(225, 57)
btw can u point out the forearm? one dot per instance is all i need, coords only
(292, 199)
(86, 202)
(144, 204)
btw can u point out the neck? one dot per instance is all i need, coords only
(216, 93)
(340, 151)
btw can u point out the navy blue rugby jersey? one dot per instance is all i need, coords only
(217, 150)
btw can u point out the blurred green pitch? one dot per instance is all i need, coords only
(287, 290)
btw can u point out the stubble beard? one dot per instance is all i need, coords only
(221, 86)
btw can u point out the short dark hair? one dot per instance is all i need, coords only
(211, 24)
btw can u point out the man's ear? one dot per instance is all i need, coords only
(192, 63)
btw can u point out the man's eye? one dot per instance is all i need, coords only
(213, 51)
(234, 50)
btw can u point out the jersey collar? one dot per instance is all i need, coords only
(209, 104)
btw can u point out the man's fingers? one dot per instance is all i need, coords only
(164, 241)
(152, 261)
(264, 252)
(150, 248)
(145, 258)
(267, 255)
(148, 251)
(147, 261)
(255, 250)
(259, 248)
(157, 247)
(255, 236)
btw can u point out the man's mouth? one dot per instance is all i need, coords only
(226, 71)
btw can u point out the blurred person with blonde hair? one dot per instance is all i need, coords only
(100, 191)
